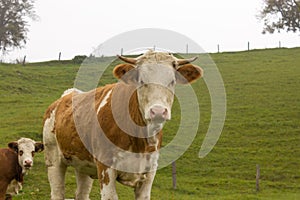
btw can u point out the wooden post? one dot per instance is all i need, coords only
(248, 46)
(279, 44)
(24, 60)
(174, 174)
(59, 56)
(257, 178)
(218, 48)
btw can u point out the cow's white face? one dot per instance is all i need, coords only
(156, 91)
(26, 148)
(155, 75)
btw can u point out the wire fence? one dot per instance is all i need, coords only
(185, 50)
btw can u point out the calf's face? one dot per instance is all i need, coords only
(26, 148)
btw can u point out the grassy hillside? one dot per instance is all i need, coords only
(262, 127)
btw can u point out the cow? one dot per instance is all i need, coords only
(15, 161)
(114, 132)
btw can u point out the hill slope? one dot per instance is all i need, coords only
(262, 127)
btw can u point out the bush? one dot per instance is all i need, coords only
(79, 59)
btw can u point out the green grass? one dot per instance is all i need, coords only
(262, 127)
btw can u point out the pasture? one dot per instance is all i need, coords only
(262, 127)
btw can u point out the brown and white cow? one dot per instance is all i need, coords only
(15, 161)
(113, 133)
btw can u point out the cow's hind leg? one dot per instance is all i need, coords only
(56, 177)
(53, 160)
(56, 172)
(84, 186)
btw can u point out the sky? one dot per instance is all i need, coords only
(75, 27)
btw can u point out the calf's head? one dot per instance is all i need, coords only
(155, 74)
(26, 148)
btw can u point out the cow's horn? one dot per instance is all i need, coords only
(128, 60)
(186, 61)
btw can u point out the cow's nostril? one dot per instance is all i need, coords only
(28, 162)
(165, 112)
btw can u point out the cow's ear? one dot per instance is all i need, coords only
(39, 147)
(188, 73)
(13, 146)
(126, 72)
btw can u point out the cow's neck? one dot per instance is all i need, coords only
(20, 174)
(153, 130)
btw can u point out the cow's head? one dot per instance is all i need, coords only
(26, 148)
(156, 74)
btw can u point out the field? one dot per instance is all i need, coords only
(262, 127)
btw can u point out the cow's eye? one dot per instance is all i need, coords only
(141, 82)
(174, 64)
(32, 153)
(21, 152)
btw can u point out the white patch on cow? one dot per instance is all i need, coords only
(14, 187)
(108, 191)
(49, 140)
(104, 101)
(155, 95)
(69, 91)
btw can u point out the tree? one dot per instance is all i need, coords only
(280, 15)
(14, 16)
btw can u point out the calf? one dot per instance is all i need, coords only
(15, 161)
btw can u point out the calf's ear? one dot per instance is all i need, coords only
(13, 146)
(39, 147)
(126, 72)
(188, 73)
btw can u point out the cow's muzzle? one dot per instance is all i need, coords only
(159, 114)
(27, 164)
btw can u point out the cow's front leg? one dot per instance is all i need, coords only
(143, 188)
(107, 179)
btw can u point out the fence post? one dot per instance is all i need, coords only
(257, 178)
(59, 56)
(174, 174)
(248, 46)
(279, 44)
(24, 60)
